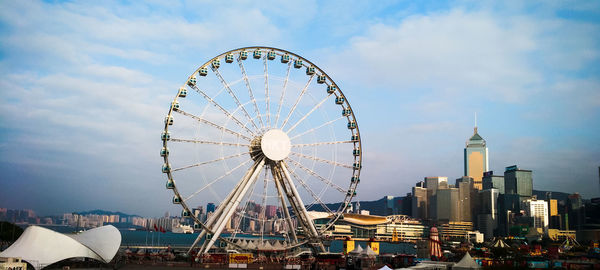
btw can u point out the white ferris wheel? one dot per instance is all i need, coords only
(266, 141)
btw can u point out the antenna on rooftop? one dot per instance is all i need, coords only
(475, 122)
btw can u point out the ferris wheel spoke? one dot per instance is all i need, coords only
(210, 161)
(318, 127)
(308, 114)
(321, 160)
(209, 142)
(287, 76)
(319, 143)
(216, 180)
(297, 101)
(202, 120)
(243, 70)
(267, 110)
(212, 101)
(312, 193)
(237, 101)
(316, 175)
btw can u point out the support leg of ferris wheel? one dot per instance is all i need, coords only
(277, 179)
(299, 208)
(219, 211)
(232, 206)
(219, 217)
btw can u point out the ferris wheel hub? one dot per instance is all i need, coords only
(275, 144)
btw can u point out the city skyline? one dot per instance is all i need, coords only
(85, 88)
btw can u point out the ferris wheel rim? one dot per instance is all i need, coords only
(356, 171)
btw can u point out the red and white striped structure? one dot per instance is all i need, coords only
(435, 248)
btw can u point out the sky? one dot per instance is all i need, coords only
(85, 86)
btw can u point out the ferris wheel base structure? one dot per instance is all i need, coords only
(284, 135)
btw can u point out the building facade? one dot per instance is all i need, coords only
(493, 181)
(518, 181)
(476, 158)
(538, 210)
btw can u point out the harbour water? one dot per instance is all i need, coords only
(145, 238)
(153, 238)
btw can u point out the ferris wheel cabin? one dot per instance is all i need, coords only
(321, 79)
(257, 54)
(164, 152)
(331, 89)
(182, 92)
(243, 55)
(203, 71)
(229, 58)
(192, 81)
(170, 184)
(176, 200)
(216, 63)
(165, 136)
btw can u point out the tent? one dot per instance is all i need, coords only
(357, 251)
(368, 252)
(41, 247)
(465, 263)
(500, 244)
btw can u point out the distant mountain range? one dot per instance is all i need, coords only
(103, 212)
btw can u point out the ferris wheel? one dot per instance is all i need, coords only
(261, 150)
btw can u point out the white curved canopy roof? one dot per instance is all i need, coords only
(41, 247)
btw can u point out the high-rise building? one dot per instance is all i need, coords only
(210, 207)
(447, 205)
(517, 181)
(436, 182)
(493, 181)
(576, 213)
(466, 198)
(476, 158)
(419, 203)
(271, 211)
(508, 204)
(487, 218)
(538, 210)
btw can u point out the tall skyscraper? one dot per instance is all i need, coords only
(466, 197)
(447, 205)
(493, 181)
(436, 182)
(419, 203)
(487, 218)
(517, 181)
(476, 158)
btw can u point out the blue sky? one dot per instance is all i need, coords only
(85, 87)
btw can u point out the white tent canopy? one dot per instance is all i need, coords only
(41, 247)
(466, 262)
